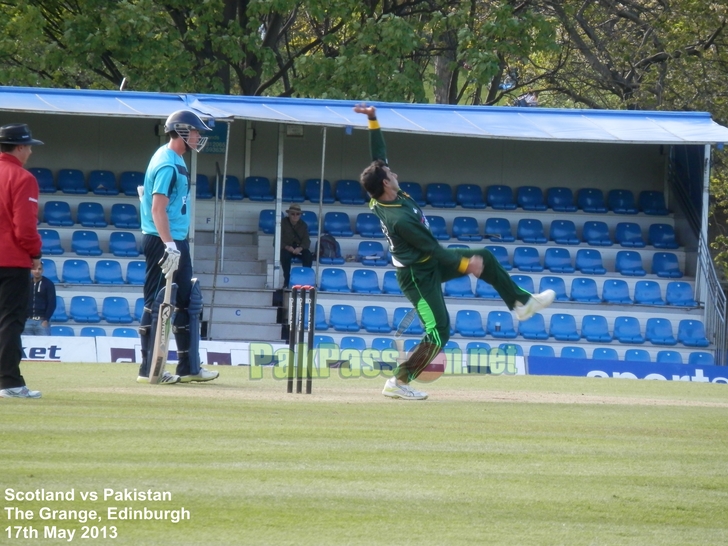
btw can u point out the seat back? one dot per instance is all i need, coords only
(658, 331)
(680, 293)
(563, 232)
(76, 272)
(129, 180)
(629, 234)
(60, 315)
(648, 293)
(85, 243)
(116, 310)
(438, 227)
(533, 328)
(530, 230)
(669, 357)
(390, 284)
(71, 181)
(337, 224)
(465, 228)
(368, 225)
(125, 332)
(342, 318)
(560, 199)
(628, 330)
(499, 324)
(653, 203)
(51, 242)
(621, 202)
(605, 353)
(257, 188)
(123, 243)
(459, 287)
(125, 216)
(415, 328)
(500, 197)
(591, 200)
(91, 215)
(543, 351)
(525, 282)
(45, 179)
(302, 276)
(589, 262)
(439, 194)
(572, 352)
(312, 191)
(414, 190)
(92, 331)
(665, 264)
(692, 333)
(594, 328)
(202, 187)
(374, 319)
(629, 262)
(350, 192)
(662, 236)
(291, 190)
(49, 270)
(333, 279)
(102, 182)
(365, 281)
(501, 254)
(499, 229)
(530, 198)
(616, 291)
(558, 260)
(469, 323)
(596, 234)
(354, 343)
(84, 309)
(267, 221)
(469, 196)
(57, 213)
(556, 284)
(527, 258)
(562, 327)
(584, 290)
(637, 355)
(108, 272)
(66, 331)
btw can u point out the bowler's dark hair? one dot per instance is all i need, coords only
(372, 178)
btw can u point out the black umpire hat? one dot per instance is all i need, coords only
(17, 134)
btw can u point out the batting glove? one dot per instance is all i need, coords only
(170, 260)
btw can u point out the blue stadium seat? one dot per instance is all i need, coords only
(485, 290)
(311, 220)
(291, 191)
(662, 236)
(108, 272)
(563, 232)
(60, 315)
(596, 234)
(558, 260)
(438, 227)
(510, 349)
(355, 343)
(92, 331)
(71, 181)
(469, 196)
(605, 353)
(572, 352)
(589, 262)
(102, 182)
(267, 221)
(125, 216)
(500, 197)
(465, 228)
(525, 282)
(374, 319)
(57, 213)
(49, 270)
(367, 225)
(527, 258)
(337, 224)
(202, 187)
(594, 328)
(530, 198)
(76, 272)
(257, 188)
(701, 358)
(350, 192)
(531, 231)
(556, 284)
(648, 293)
(560, 199)
(658, 331)
(584, 290)
(591, 200)
(665, 264)
(320, 324)
(499, 324)
(390, 284)
(691, 333)
(621, 202)
(233, 191)
(91, 215)
(45, 179)
(334, 279)
(138, 309)
(51, 242)
(562, 327)
(629, 262)
(637, 355)
(83, 309)
(469, 323)
(459, 287)
(669, 357)
(342, 318)
(474, 350)
(653, 203)
(414, 190)
(365, 281)
(123, 243)
(501, 254)
(85, 243)
(302, 276)
(135, 272)
(65, 331)
(319, 340)
(410, 344)
(312, 191)
(125, 332)
(628, 330)
(128, 182)
(371, 253)
(629, 234)
(680, 293)
(439, 194)
(337, 259)
(499, 229)
(533, 328)
(543, 351)
(415, 329)
(616, 291)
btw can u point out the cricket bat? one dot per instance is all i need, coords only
(405, 323)
(161, 336)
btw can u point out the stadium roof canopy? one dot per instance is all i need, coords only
(532, 124)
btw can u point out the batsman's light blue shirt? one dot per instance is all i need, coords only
(167, 169)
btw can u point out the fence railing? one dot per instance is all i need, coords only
(707, 283)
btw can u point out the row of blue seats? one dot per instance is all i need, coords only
(105, 272)
(475, 349)
(84, 309)
(86, 243)
(93, 331)
(500, 324)
(467, 228)
(91, 215)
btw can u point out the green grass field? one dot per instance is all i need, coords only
(486, 460)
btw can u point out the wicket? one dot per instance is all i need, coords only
(298, 355)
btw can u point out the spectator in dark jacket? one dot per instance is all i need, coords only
(295, 242)
(41, 304)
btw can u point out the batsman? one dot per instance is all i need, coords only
(422, 264)
(165, 224)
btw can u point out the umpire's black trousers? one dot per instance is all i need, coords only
(14, 293)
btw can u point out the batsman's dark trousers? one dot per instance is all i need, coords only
(14, 294)
(422, 285)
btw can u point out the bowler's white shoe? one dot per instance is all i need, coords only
(19, 392)
(535, 303)
(204, 375)
(166, 379)
(404, 392)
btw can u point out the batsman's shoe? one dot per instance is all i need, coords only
(19, 392)
(166, 379)
(204, 375)
(404, 392)
(535, 303)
